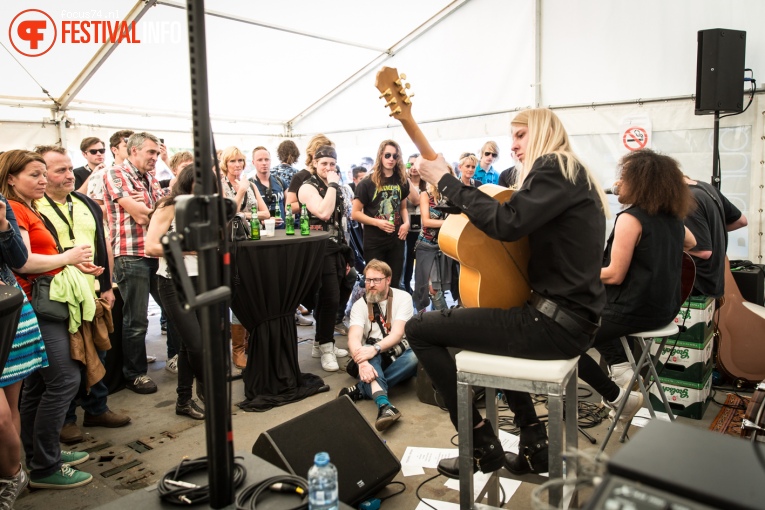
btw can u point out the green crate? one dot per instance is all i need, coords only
(689, 361)
(685, 398)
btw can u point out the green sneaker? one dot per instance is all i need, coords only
(64, 478)
(73, 458)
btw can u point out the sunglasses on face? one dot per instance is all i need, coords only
(389, 155)
(96, 151)
(492, 154)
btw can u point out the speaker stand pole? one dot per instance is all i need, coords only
(716, 152)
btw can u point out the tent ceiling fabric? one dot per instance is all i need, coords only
(312, 63)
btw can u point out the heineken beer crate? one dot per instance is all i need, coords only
(696, 315)
(683, 360)
(685, 398)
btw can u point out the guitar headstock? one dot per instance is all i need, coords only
(394, 90)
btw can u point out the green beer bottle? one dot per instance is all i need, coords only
(289, 221)
(277, 210)
(254, 225)
(305, 228)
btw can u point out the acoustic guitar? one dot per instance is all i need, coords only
(493, 273)
(741, 349)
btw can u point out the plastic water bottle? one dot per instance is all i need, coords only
(322, 484)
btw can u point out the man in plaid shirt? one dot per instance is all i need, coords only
(130, 192)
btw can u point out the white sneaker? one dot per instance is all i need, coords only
(328, 357)
(172, 365)
(316, 352)
(302, 321)
(10, 488)
(634, 403)
(150, 358)
(621, 373)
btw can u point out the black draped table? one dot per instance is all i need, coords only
(270, 278)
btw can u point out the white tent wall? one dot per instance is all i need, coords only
(271, 68)
(596, 51)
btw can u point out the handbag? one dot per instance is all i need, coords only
(239, 230)
(42, 304)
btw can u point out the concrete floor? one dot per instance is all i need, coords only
(170, 437)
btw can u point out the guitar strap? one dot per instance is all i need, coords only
(376, 316)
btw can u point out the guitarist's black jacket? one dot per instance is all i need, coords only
(564, 222)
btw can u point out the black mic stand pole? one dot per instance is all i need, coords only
(716, 152)
(218, 429)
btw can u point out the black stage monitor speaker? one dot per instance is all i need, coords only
(720, 71)
(364, 463)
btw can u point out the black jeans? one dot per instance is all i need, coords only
(328, 301)
(391, 252)
(346, 289)
(519, 332)
(189, 332)
(411, 241)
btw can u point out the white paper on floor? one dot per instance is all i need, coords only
(411, 470)
(643, 416)
(426, 457)
(439, 505)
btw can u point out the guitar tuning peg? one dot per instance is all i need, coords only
(391, 102)
(407, 101)
(397, 83)
(386, 93)
(403, 76)
(395, 112)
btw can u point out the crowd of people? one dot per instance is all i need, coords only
(87, 231)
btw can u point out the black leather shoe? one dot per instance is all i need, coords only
(450, 468)
(190, 409)
(532, 459)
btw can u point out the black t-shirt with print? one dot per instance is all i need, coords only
(380, 203)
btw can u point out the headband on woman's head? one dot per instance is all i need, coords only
(325, 151)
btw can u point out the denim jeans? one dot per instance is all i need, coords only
(45, 399)
(136, 278)
(405, 367)
(520, 332)
(93, 403)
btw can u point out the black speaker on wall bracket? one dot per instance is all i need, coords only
(720, 71)
(364, 462)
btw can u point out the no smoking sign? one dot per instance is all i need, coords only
(635, 138)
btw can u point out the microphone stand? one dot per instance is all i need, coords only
(200, 227)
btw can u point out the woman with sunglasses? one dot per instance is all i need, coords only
(48, 391)
(247, 197)
(485, 173)
(467, 165)
(380, 204)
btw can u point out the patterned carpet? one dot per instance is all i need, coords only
(728, 420)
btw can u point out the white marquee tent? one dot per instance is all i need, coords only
(293, 68)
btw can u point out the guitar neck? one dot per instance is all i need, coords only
(415, 133)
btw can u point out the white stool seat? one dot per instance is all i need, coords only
(759, 310)
(551, 378)
(517, 368)
(668, 330)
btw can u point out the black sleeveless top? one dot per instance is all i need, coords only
(649, 297)
(334, 224)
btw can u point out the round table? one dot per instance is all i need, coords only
(270, 277)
